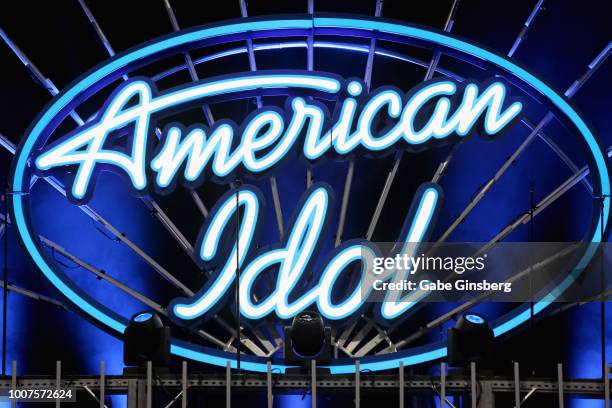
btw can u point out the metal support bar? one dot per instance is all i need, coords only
(102, 383)
(526, 27)
(383, 196)
(58, 380)
(401, 384)
(487, 398)
(528, 395)
(243, 339)
(344, 206)
(388, 382)
(97, 29)
(277, 206)
(442, 385)
(571, 91)
(269, 387)
(273, 184)
(487, 186)
(349, 175)
(357, 384)
(560, 385)
(123, 238)
(188, 64)
(517, 386)
(607, 385)
(119, 285)
(205, 108)
(36, 74)
(310, 67)
(13, 381)
(93, 395)
(149, 384)
(184, 385)
(34, 295)
(474, 396)
(431, 68)
(228, 384)
(173, 400)
(132, 393)
(188, 60)
(359, 336)
(313, 383)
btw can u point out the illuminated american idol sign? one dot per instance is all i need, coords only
(421, 116)
(364, 123)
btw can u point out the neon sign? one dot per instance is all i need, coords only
(272, 135)
(201, 151)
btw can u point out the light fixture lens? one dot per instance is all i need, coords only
(474, 318)
(143, 317)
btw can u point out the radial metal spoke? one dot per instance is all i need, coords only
(465, 306)
(188, 63)
(526, 27)
(205, 108)
(535, 131)
(118, 284)
(158, 212)
(36, 74)
(101, 275)
(120, 236)
(151, 204)
(273, 183)
(247, 342)
(431, 69)
(543, 204)
(34, 295)
(345, 198)
(559, 152)
(570, 92)
(349, 174)
(310, 67)
(341, 340)
(382, 335)
(521, 220)
(29, 293)
(54, 91)
(517, 42)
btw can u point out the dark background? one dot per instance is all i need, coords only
(564, 38)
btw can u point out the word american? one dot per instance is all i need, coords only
(432, 111)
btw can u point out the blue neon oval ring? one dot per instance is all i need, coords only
(121, 63)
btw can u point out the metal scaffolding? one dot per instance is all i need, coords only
(470, 386)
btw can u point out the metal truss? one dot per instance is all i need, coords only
(479, 390)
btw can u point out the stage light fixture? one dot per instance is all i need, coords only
(146, 339)
(470, 340)
(307, 339)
